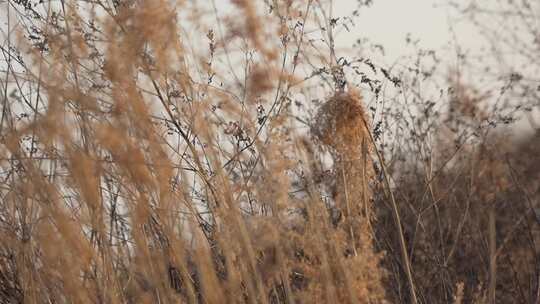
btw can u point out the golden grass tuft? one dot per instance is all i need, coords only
(341, 125)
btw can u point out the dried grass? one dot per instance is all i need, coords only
(160, 164)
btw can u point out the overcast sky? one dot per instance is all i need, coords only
(386, 22)
(389, 21)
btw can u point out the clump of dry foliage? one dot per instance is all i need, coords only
(170, 152)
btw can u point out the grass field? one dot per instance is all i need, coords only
(154, 151)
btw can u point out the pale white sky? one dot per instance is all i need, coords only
(386, 22)
(389, 21)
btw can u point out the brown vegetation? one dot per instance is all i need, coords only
(154, 153)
